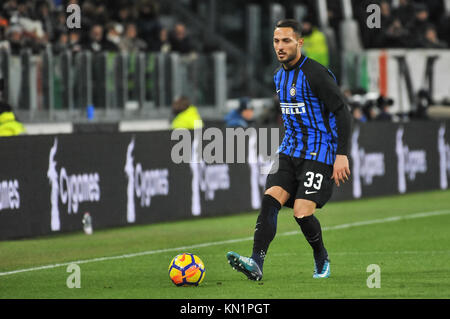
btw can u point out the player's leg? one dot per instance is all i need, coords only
(314, 190)
(265, 230)
(311, 229)
(266, 224)
(279, 186)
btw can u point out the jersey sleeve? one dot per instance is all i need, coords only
(324, 86)
(344, 128)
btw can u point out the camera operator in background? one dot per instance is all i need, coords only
(368, 106)
(383, 105)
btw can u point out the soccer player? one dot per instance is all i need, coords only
(312, 155)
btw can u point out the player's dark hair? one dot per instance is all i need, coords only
(290, 23)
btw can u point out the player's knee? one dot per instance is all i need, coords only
(278, 193)
(303, 213)
(303, 208)
(270, 201)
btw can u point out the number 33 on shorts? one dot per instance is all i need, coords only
(313, 180)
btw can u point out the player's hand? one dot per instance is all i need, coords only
(341, 169)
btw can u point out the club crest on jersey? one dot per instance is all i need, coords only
(293, 91)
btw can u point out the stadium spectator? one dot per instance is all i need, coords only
(164, 41)
(444, 28)
(423, 101)
(75, 44)
(436, 9)
(315, 43)
(23, 11)
(62, 44)
(371, 112)
(431, 39)
(417, 26)
(392, 33)
(130, 42)
(383, 105)
(43, 15)
(358, 114)
(404, 11)
(32, 34)
(396, 35)
(101, 14)
(25, 17)
(95, 41)
(113, 39)
(89, 15)
(242, 116)
(148, 25)
(125, 15)
(335, 16)
(58, 25)
(179, 39)
(14, 35)
(3, 21)
(9, 7)
(4, 43)
(185, 114)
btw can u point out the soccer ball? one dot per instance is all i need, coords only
(186, 270)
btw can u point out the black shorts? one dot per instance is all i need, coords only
(302, 179)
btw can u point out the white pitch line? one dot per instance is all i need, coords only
(230, 241)
(378, 221)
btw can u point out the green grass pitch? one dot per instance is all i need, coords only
(407, 236)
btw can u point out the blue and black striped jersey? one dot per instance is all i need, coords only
(309, 95)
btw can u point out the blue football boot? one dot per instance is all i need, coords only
(246, 265)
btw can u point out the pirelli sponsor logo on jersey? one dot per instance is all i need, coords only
(292, 108)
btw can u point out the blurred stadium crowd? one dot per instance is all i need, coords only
(412, 24)
(127, 26)
(114, 25)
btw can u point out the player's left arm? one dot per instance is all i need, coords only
(327, 90)
(341, 168)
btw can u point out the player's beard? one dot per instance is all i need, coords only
(287, 58)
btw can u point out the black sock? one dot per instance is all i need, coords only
(266, 228)
(310, 227)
